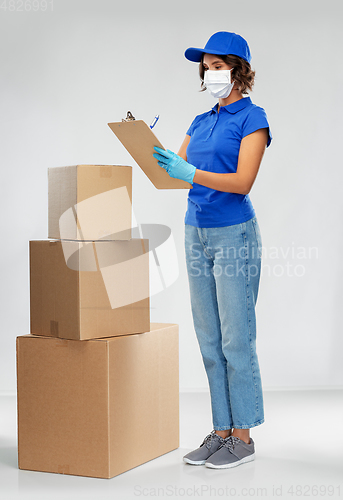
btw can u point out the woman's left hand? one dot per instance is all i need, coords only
(176, 166)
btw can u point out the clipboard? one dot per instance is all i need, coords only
(139, 140)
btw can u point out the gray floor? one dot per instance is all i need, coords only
(298, 449)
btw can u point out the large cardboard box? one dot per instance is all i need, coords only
(90, 202)
(100, 407)
(82, 290)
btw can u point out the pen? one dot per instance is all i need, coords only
(154, 121)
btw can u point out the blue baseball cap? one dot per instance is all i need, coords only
(221, 43)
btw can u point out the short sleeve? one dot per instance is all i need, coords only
(256, 119)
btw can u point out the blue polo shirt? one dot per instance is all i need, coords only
(214, 146)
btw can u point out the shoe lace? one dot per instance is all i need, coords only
(211, 437)
(230, 442)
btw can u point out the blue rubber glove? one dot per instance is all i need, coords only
(176, 166)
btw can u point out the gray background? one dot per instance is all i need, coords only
(66, 73)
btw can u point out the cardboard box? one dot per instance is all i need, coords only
(89, 290)
(100, 407)
(90, 202)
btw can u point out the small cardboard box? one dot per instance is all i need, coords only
(82, 290)
(100, 407)
(90, 202)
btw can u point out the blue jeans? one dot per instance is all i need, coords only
(223, 266)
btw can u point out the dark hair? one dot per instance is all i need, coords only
(242, 73)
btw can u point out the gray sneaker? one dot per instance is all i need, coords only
(233, 452)
(210, 444)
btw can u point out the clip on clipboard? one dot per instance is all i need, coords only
(139, 140)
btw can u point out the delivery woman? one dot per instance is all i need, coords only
(220, 157)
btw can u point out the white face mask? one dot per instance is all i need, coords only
(218, 82)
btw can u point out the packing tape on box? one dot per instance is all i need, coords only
(105, 171)
(145, 250)
(54, 328)
(62, 343)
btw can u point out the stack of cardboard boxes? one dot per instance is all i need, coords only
(98, 384)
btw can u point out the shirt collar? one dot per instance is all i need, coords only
(234, 106)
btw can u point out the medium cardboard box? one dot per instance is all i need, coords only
(90, 202)
(82, 290)
(100, 407)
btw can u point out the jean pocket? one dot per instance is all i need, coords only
(258, 236)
